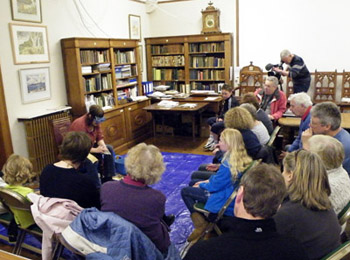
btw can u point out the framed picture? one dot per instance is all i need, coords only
(26, 10)
(35, 84)
(29, 43)
(134, 27)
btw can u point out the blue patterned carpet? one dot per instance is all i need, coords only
(179, 167)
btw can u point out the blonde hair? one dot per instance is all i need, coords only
(329, 149)
(309, 184)
(237, 154)
(144, 163)
(17, 170)
(238, 118)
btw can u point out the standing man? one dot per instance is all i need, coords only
(252, 232)
(297, 71)
(272, 100)
(300, 105)
(326, 120)
(90, 124)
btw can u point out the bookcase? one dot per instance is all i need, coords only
(190, 62)
(107, 72)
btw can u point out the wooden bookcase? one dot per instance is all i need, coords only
(190, 62)
(108, 72)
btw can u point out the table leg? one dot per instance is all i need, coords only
(193, 127)
(163, 128)
(154, 124)
(200, 124)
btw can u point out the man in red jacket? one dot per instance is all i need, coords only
(272, 100)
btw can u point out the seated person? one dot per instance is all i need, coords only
(90, 124)
(17, 171)
(259, 128)
(132, 198)
(307, 214)
(252, 234)
(240, 119)
(250, 98)
(332, 154)
(272, 100)
(215, 191)
(218, 122)
(63, 180)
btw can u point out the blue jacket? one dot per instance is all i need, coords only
(122, 239)
(220, 187)
(304, 124)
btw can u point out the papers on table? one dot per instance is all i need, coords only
(168, 104)
(211, 98)
(188, 105)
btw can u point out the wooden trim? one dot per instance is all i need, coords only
(6, 148)
(160, 2)
(237, 33)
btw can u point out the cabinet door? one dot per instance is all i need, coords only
(114, 128)
(137, 120)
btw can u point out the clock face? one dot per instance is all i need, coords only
(209, 21)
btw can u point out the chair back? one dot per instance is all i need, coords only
(289, 87)
(273, 136)
(251, 78)
(341, 252)
(344, 215)
(14, 200)
(325, 86)
(60, 127)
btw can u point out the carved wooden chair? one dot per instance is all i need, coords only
(325, 86)
(60, 127)
(251, 78)
(289, 87)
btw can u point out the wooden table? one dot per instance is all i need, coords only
(163, 111)
(8, 256)
(213, 106)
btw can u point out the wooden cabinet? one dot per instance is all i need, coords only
(190, 62)
(107, 72)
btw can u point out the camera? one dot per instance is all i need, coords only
(271, 72)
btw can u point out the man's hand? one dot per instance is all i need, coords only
(305, 136)
(212, 167)
(99, 149)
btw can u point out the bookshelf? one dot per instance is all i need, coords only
(190, 62)
(107, 72)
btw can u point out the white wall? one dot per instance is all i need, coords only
(62, 21)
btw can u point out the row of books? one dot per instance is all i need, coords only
(126, 93)
(98, 82)
(197, 62)
(184, 88)
(207, 74)
(121, 83)
(103, 99)
(124, 57)
(207, 47)
(178, 60)
(205, 86)
(169, 48)
(168, 74)
(102, 67)
(94, 56)
(124, 71)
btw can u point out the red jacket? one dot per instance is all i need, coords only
(278, 103)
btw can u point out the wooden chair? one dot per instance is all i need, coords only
(273, 136)
(251, 78)
(325, 86)
(345, 91)
(60, 127)
(341, 252)
(13, 200)
(290, 87)
(62, 244)
(344, 215)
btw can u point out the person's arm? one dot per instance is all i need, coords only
(218, 181)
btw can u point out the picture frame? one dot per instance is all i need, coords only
(35, 84)
(134, 27)
(26, 10)
(29, 43)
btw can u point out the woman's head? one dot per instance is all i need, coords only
(251, 109)
(95, 115)
(238, 118)
(17, 170)
(232, 142)
(75, 147)
(144, 163)
(329, 149)
(307, 180)
(250, 98)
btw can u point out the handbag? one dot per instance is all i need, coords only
(120, 165)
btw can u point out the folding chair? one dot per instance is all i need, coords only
(341, 252)
(13, 200)
(344, 215)
(273, 136)
(213, 225)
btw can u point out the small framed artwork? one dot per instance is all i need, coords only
(26, 10)
(35, 84)
(134, 27)
(29, 43)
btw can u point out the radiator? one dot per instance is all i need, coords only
(40, 140)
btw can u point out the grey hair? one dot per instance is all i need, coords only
(273, 79)
(301, 99)
(328, 113)
(251, 109)
(285, 53)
